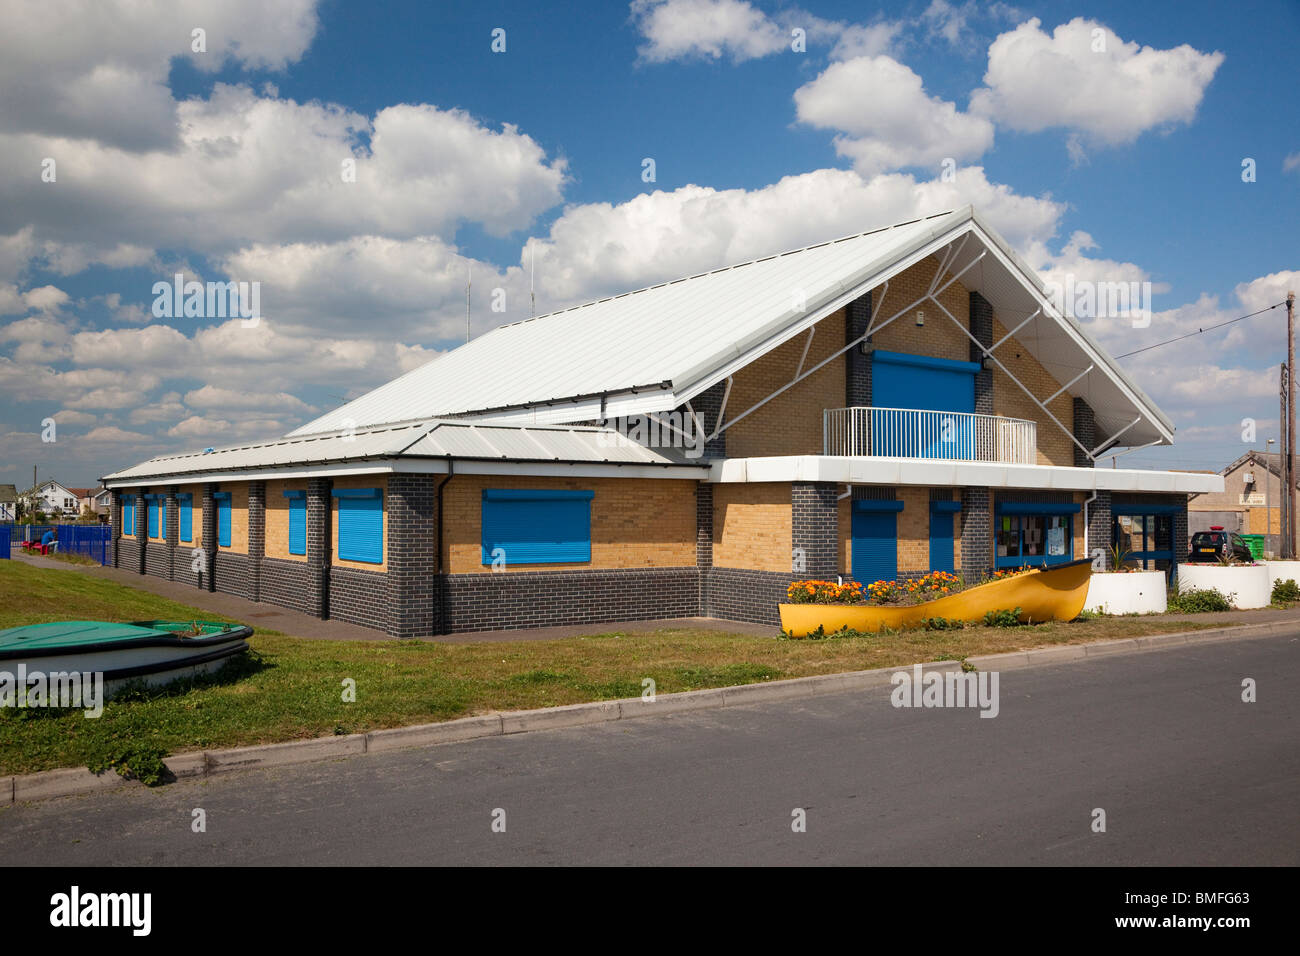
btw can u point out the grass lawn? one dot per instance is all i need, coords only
(291, 687)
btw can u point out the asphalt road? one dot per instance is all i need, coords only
(1186, 772)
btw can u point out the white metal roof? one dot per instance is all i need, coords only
(644, 350)
(653, 349)
(433, 439)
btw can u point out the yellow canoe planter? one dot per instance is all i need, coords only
(1051, 594)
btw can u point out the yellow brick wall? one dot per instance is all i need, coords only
(791, 423)
(356, 481)
(277, 519)
(238, 518)
(914, 530)
(1010, 400)
(939, 337)
(635, 522)
(752, 526)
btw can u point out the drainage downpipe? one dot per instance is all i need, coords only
(442, 572)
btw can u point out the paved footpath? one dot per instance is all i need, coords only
(1186, 772)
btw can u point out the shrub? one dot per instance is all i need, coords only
(1002, 618)
(942, 624)
(1286, 592)
(134, 761)
(1198, 600)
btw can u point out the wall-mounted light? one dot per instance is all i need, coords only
(920, 318)
(866, 348)
(988, 362)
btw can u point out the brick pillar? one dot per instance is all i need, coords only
(857, 372)
(209, 538)
(115, 526)
(319, 557)
(703, 541)
(1100, 528)
(172, 532)
(412, 563)
(1181, 542)
(814, 527)
(141, 527)
(981, 326)
(256, 537)
(976, 532)
(708, 406)
(1085, 430)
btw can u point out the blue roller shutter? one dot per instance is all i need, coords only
(297, 521)
(128, 514)
(545, 526)
(875, 541)
(186, 517)
(152, 506)
(361, 524)
(222, 500)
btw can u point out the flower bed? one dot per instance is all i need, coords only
(934, 585)
(1037, 594)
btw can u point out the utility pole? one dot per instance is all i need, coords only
(1284, 500)
(1291, 425)
(1268, 497)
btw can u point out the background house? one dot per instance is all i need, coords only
(8, 503)
(54, 499)
(1249, 501)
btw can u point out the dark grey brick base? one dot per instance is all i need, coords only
(128, 554)
(158, 559)
(738, 594)
(230, 574)
(490, 601)
(360, 597)
(290, 584)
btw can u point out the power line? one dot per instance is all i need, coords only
(1199, 331)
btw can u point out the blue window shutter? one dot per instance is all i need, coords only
(186, 517)
(941, 536)
(153, 517)
(128, 514)
(537, 527)
(298, 525)
(913, 381)
(875, 546)
(361, 529)
(223, 522)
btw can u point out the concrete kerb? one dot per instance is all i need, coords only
(73, 781)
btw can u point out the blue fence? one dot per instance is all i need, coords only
(90, 540)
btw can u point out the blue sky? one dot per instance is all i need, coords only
(1118, 164)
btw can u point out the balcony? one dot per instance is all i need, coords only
(916, 433)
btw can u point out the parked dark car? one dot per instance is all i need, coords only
(1213, 544)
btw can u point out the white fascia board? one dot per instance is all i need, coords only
(926, 472)
(703, 377)
(431, 466)
(1013, 264)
